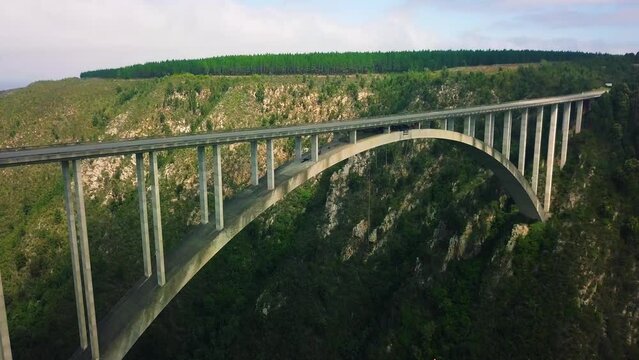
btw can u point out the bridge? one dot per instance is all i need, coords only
(115, 334)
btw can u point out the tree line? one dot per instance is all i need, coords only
(336, 63)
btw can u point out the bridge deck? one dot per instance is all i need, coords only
(24, 156)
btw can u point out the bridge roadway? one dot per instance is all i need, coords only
(25, 156)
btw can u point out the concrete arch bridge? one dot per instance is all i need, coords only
(115, 334)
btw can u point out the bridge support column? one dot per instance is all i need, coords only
(298, 148)
(537, 151)
(550, 160)
(387, 130)
(473, 126)
(580, 113)
(85, 259)
(505, 144)
(450, 124)
(565, 128)
(204, 198)
(144, 217)
(467, 125)
(75, 256)
(314, 148)
(217, 188)
(489, 129)
(521, 163)
(353, 136)
(5, 343)
(157, 219)
(270, 165)
(255, 179)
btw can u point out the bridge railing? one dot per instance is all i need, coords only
(70, 157)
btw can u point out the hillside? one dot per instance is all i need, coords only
(411, 251)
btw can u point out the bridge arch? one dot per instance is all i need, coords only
(131, 316)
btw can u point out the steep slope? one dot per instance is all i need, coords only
(411, 251)
(291, 282)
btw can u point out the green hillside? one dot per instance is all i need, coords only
(409, 251)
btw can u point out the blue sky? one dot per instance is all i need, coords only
(42, 40)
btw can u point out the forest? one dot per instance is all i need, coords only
(445, 266)
(339, 63)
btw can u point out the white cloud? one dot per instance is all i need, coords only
(477, 40)
(492, 5)
(41, 40)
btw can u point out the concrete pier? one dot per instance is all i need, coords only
(5, 342)
(492, 129)
(505, 144)
(565, 128)
(467, 125)
(537, 150)
(314, 148)
(387, 130)
(75, 256)
(85, 259)
(489, 129)
(144, 217)
(204, 198)
(217, 188)
(270, 165)
(298, 149)
(473, 126)
(521, 163)
(550, 160)
(450, 124)
(157, 219)
(352, 136)
(580, 113)
(255, 175)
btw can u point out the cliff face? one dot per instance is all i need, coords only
(409, 251)
(412, 251)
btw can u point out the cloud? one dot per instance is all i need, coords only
(44, 40)
(76, 35)
(518, 5)
(523, 42)
(622, 19)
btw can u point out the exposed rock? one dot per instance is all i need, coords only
(268, 302)
(589, 289)
(357, 238)
(339, 188)
(359, 231)
(378, 235)
(372, 238)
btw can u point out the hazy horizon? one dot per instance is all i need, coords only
(53, 42)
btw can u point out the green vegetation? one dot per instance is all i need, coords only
(282, 290)
(338, 63)
(436, 269)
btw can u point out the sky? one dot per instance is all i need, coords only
(47, 40)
